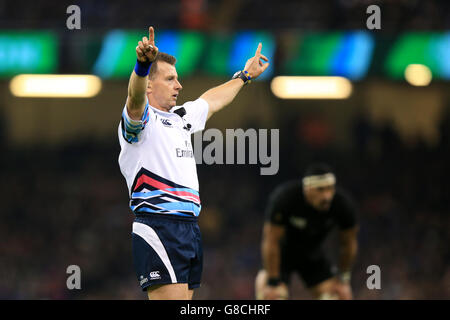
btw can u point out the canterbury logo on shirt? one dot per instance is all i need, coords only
(166, 122)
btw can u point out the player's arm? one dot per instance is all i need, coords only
(146, 52)
(220, 96)
(271, 251)
(348, 248)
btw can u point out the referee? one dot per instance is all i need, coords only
(299, 217)
(158, 164)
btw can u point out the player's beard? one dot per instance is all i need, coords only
(324, 205)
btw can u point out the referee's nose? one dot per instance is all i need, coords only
(178, 85)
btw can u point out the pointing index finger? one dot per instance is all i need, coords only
(151, 35)
(258, 50)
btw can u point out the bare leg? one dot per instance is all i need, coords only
(173, 291)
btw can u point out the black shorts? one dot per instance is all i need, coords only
(313, 269)
(167, 249)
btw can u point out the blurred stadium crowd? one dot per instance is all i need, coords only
(226, 14)
(69, 206)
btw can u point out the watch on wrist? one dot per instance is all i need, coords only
(243, 75)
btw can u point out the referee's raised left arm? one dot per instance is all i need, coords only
(220, 96)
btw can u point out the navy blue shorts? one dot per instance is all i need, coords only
(167, 249)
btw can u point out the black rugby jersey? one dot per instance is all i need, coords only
(306, 228)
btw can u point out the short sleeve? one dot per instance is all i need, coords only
(277, 209)
(132, 129)
(196, 114)
(346, 212)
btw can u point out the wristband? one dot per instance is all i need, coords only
(142, 68)
(247, 75)
(273, 282)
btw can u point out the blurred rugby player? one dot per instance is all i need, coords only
(299, 217)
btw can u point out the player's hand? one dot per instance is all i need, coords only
(255, 66)
(146, 50)
(343, 290)
(275, 292)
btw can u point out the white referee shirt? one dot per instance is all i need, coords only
(157, 159)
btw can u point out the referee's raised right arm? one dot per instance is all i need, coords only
(146, 52)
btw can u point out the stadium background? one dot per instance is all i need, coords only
(63, 200)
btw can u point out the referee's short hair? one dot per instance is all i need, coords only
(318, 169)
(161, 56)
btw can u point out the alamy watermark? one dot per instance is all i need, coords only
(74, 280)
(374, 281)
(231, 148)
(74, 20)
(374, 20)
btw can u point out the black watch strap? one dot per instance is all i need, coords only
(243, 75)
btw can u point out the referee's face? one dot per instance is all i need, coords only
(320, 198)
(163, 88)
